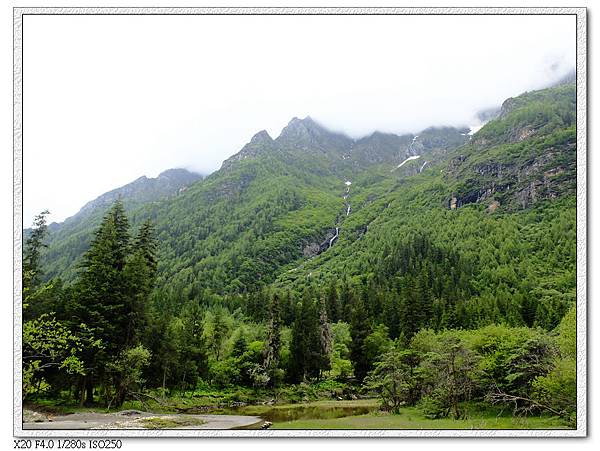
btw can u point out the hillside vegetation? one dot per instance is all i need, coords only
(430, 270)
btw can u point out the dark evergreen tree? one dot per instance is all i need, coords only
(288, 307)
(240, 346)
(220, 330)
(325, 339)
(332, 303)
(34, 245)
(359, 330)
(273, 343)
(103, 293)
(347, 297)
(191, 347)
(306, 358)
(140, 273)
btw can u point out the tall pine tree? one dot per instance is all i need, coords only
(306, 361)
(34, 245)
(140, 274)
(359, 330)
(103, 293)
(273, 343)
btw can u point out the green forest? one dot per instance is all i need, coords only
(446, 288)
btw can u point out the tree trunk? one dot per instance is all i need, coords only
(89, 390)
(120, 399)
(81, 391)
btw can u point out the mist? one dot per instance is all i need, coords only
(110, 98)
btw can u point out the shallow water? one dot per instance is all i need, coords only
(284, 414)
(281, 415)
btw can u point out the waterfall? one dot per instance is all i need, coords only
(337, 234)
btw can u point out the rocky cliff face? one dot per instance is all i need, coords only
(527, 155)
(380, 148)
(306, 134)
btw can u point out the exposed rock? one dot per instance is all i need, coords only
(130, 413)
(381, 148)
(311, 250)
(455, 163)
(493, 206)
(237, 404)
(554, 172)
(306, 134)
(31, 416)
(524, 133)
(453, 203)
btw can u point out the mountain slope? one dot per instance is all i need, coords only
(274, 202)
(69, 239)
(497, 214)
(313, 205)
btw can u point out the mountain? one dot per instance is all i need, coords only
(69, 239)
(508, 195)
(314, 205)
(168, 183)
(270, 204)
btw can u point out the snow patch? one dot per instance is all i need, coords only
(474, 129)
(414, 157)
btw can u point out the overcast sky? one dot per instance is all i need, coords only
(110, 98)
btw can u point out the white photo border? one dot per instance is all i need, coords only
(580, 15)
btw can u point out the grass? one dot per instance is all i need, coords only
(412, 418)
(325, 404)
(170, 422)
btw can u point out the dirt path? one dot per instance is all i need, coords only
(139, 420)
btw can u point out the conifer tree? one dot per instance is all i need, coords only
(34, 245)
(359, 330)
(296, 370)
(140, 272)
(346, 301)
(306, 359)
(325, 339)
(191, 346)
(220, 330)
(332, 303)
(273, 343)
(103, 294)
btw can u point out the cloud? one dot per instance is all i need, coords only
(110, 98)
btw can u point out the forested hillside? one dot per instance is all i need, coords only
(442, 263)
(68, 240)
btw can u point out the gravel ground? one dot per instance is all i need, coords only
(129, 420)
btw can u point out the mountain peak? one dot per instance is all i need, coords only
(143, 189)
(261, 137)
(308, 134)
(177, 173)
(298, 126)
(258, 144)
